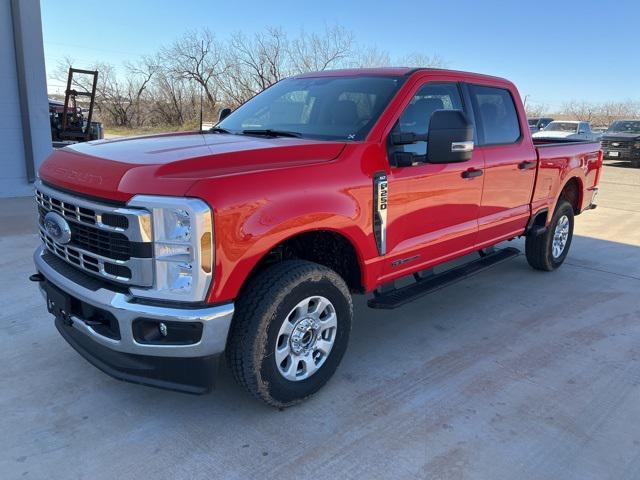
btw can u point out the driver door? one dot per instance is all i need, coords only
(433, 208)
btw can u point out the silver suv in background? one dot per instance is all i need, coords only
(571, 130)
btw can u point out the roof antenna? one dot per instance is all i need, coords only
(201, 108)
(201, 87)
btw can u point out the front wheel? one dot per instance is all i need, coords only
(290, 331)
(549, 250)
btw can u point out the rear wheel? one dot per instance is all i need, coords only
(549, 250)
(290, 331)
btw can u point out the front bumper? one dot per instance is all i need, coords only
(184, 367)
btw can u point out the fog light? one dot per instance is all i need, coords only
(154, 332)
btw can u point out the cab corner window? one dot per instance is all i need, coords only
(496, 114)
(416, 116)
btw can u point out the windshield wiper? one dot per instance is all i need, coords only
(267, 132)
(218, 130)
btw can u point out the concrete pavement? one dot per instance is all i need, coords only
(512, 374)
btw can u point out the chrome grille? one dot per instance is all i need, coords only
(109, 244)
(66, 209)
(106, 241)
(623, 147)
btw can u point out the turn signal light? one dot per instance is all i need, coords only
(206, 257)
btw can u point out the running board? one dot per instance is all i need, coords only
(398, 297)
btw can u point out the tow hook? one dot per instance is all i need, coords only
(36, 277)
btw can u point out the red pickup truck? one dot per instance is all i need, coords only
(163, 253)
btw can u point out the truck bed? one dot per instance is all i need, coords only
(570, 158)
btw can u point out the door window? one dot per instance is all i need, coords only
(496, 115)
(416, 116)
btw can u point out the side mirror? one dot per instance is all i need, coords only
(450, 137)
(224, 113)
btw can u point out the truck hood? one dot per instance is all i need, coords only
(620, 136)
(170, 164)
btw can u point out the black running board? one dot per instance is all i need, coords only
(398, 297)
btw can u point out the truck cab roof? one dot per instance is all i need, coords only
(395, 72)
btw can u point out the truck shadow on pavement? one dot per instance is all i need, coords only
(420, 348)
(618, 164)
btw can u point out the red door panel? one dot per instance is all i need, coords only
(432, 213)
(508, 183)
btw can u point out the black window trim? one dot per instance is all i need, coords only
(430, 82)
(478, 120)
(464, 100)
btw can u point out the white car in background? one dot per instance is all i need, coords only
(572, 130)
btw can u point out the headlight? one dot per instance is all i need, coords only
(182, 245)
(636, 145)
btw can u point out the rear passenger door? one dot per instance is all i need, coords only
(510, 164)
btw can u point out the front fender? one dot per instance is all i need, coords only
(247, 230)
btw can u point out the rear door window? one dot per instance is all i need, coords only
(496, 115)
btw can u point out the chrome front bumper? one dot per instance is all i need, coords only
(216, 320)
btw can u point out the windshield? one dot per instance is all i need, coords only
(562, 127)
(328, 108)
(533, 122)
(625, 127)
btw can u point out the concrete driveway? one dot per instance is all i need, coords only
(512, 374)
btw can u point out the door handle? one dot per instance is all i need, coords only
(527, 165)
(472, 173)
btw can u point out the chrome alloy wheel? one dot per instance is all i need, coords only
(560, 236)
(305, 338)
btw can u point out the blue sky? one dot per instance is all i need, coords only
(554, 51)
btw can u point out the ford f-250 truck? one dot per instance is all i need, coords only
(163, 253)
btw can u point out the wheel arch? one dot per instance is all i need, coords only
(329, 247)
(572, 191)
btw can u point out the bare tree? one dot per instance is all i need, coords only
(371, 57)
(600, 113)
(166, 88)
(580, 110)
(257, 63)
(536, 109)
(418, 59)
(375, 57)
(611, 111)
(198, 57)
(317, 52)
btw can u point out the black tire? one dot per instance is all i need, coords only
(539, 248)
(260, 312)
(635, 163)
